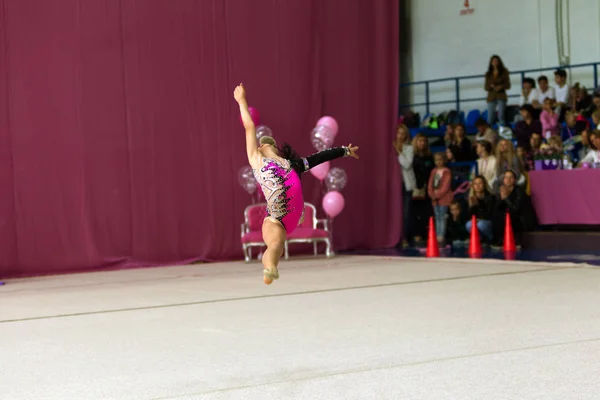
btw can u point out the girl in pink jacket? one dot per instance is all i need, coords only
(440, 193)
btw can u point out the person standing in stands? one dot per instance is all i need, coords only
(462, 148)
(497, 82)
(422, 165)
(405, 153)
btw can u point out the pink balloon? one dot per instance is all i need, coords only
(330, 123)
(333, 203)
(320, 171)
(254, 115)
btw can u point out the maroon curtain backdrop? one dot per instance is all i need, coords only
(120, 140)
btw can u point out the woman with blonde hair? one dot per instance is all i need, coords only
(506, 160)
(405, 152)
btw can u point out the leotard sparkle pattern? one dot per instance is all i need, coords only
(282, 188)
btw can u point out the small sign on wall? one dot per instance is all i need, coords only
(467, 9)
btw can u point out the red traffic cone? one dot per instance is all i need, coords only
(509, 238)
(432, 245)
(474, 243)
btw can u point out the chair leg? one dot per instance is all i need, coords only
(245, 250)
(315, 248)
(287, 253)
(328, 252)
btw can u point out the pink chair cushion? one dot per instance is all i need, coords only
(252, 237)
(308, 233)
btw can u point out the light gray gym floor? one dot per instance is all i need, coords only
(351, 327)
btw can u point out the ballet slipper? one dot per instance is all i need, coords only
(271, 273)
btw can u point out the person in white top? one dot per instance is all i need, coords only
(545, 90)
(405, 153)
(593, 156)
(529, 94)
(562, 88)
(486, 163)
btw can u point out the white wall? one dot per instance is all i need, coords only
(523, 32)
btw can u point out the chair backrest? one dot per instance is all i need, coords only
(310, 216)
(254, 216)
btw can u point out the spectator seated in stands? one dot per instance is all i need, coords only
(514, 200)
(461, 145)
(549, 120)
(525, 158)
(581, 147)
(449, 135)
(581, 100)
(456, 231)
(440, 192)
(485, 132)
(506, 160)
(562, 91)
(529, 95)
(575, 124)
(593, 156)
(482, 205)
(525, 128)
(596, 119)
(595, 101)
(545, 90)
(486, 163)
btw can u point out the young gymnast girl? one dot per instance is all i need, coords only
(278, 172)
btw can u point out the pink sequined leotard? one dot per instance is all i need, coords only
(281, 185)
(283, 191)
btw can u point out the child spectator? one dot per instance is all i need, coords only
(485, 132)
(482, 204)
(440, 193)
(486, 163)
(549, 120)
(456, 231)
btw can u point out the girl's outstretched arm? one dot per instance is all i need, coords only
(251, 143)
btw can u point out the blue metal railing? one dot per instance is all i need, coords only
(457, 80)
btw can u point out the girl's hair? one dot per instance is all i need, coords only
(487, 145)
(501, 67)
(510, 171)
(442, 155)
(505, 158)
(486, 189)
(418, 152)
(555, 141)
(288, 152)
(405, 129)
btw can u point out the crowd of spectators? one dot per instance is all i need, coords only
(486, 175)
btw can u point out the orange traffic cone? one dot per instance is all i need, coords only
(432, 245)
(509, 238)
(474, 243)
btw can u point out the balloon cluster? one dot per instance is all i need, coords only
(322, 137)
(245, 175)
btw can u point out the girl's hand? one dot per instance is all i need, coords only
(239, 94)
(353, 151)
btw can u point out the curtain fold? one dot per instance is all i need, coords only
(120, 141)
